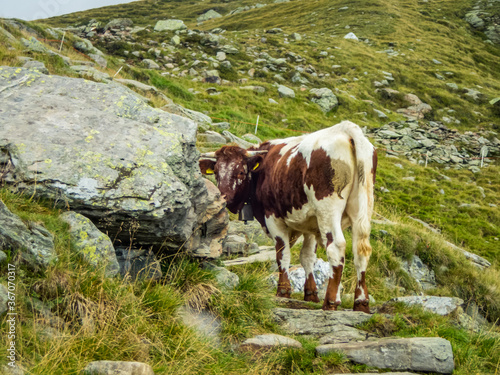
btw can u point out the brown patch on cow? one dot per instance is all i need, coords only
(330, 302)
(362, 304)
(284, 286)
(329, 239)
(374, 164)
(310, 289)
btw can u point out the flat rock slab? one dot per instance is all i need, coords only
(437, 305)
(317, 323)
(268, 341)
(427, 354)
(265, 256)
(118, 368)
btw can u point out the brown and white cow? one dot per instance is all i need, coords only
(314, 185)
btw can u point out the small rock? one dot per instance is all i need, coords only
(285, 92)
(38, 65)
(150, 64)
(3, 257)
(170, 25)
(267, 342)
(351, 36)
(4, 298)
(117, 367)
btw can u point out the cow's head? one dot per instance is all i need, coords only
(233, 168)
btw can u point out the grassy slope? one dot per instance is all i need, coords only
(144, 314)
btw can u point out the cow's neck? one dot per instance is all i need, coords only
(257, 208)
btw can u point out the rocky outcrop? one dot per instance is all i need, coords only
(268, 342)
(130, 168)
(435, 142)
(434, 304)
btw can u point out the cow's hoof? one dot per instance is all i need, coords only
(311, 296)
(362, 305)
(330, 305)
(284, 293)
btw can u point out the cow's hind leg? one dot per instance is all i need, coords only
(329, 222)
(308, 259)
(361, 250)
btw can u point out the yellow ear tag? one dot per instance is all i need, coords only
(256, 166)
(209, 171)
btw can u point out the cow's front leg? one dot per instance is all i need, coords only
(308, 259)
(283, 260)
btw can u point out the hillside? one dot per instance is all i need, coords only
(421, 77)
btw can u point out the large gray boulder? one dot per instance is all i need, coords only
(32, 243)
(434, 304)
(104, 152)
(426, 354)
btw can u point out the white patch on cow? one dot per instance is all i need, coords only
(307, 254)
(277, 228)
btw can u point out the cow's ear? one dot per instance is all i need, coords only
(255, 163)
(207, 166)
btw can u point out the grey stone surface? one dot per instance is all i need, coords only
(223, 275)
(4, 298)
(232, 138)
(285, 92)
(317, 323)
(325, 98)
(170, 25)
(211, 137)
(32, 242)
(12, 370)
(437, 305)
(263, 256)
(208, 16)
(235, 244)
(138, 264)
(93, 245)
(3, 257)
(420, 272)
(117, 368)
(37, 65)
(429, 354)
(267, 342)
(130, 168)
(150, 64)
(343, 334)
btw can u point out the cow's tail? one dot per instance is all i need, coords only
(366, 166)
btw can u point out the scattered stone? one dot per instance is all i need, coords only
(34, 45)
(93, 245)
(425, 277)
(119, 23)
(3, 257)
(285, 92)
(170, 25)
(436, 305)
(325, 98)
(176, 40)
(221, 125)
(211, 14)
(351, 36)
(272, 101)
(268, 342)
(240, 142)
(223, 276)
(426, 354)
(211, 137)
(117, 367)
(221, 56)
(296, 36)
(150, 64)
(251, 138)
(380, 114)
